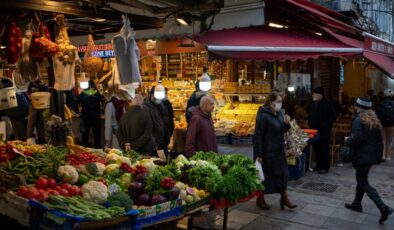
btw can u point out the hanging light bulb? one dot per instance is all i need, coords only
(205, 82)
(160, 91)
(84, 81)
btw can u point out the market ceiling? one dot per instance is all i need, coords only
(104, 16)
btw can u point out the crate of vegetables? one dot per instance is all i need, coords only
(17, 208)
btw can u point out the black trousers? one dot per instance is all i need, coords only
(363, 187)
(322, 149)
(95, 125)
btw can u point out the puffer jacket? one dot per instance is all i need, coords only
(366, 144)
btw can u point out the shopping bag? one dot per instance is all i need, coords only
(259, 168)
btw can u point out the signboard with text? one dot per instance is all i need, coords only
(378, 45)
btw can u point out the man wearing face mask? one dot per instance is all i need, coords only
(159, 116)
(321, 117)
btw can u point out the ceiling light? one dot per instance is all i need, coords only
(184, 19)
(99, 19)
(319, 34)
(2, 47)
(274, 25)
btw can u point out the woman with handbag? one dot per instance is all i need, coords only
(366, 148)
(269, 149)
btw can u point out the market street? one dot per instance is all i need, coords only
(320, 200)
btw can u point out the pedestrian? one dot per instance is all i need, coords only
(200, 135)
(135, 128)
(321, 116)
(91, 100)
(385, 113)
(114, 110)
(268, 146)
(170, 126)
(159, 116)
(366, 146)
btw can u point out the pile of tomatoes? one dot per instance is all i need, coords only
(83, 159)
(45, 187)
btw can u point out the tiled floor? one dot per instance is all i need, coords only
(316, 210)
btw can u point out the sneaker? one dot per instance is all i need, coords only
(355, 207)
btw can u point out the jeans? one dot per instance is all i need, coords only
(322, 149)
(363, 186)
(95, 124)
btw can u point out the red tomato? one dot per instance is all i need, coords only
(54, 192)
(23, 191)
(52, 183)
(27, 152)
(33, 193)
(58, 188)
(64, 192)
(66, 186)
(42, 196)
(74, 190)
(42, 183)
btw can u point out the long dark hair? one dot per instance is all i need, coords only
(272, 97)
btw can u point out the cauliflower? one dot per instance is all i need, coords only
(112, 169)
(148, 164)
(112, 157)
(95, 191)
(121, 160)
(68, 173)
(115, 151)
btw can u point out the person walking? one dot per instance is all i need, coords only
(268, 146)
(91, 100)
(385, 113)
(366, 146)
(321, 117)
(200, 135)
(135, 128)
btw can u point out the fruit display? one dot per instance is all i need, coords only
(238, 119)
(179, 98)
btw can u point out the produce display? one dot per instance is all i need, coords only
(96, 185)
(12, 41)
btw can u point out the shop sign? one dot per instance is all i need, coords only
(103, 53)
(83, 49)
(378, 45)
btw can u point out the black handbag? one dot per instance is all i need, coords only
(346, 154)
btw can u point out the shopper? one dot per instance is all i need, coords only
(170, 126)
(366, 145)
(194, 101)
(321, 117)
(91, 100)
(135, 128)
(114, 109)
(268, 146)
(385, 113)
(159, 117)
(200, 135)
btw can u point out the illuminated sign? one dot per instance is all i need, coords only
(103, 53)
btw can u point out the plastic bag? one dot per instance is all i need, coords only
(259, 168)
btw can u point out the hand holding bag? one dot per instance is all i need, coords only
(346, 154)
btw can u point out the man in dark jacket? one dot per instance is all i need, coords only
(385, 113)
(160, 117)
(201, 133)
(135, 128)
(194, 101)
(321, 117)
(170, 120)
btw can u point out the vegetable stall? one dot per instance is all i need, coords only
(75, 187)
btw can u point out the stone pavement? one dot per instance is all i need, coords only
(320, 200)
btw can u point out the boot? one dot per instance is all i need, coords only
(260, 202)
(385, 210)
(355, 206)
(284, 201)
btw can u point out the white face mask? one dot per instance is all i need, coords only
(278, 106)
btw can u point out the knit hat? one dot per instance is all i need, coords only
(388, 93)
(363, 103)
(319, 90)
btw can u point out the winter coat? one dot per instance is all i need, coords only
(90, 101)
(268, 143)
(321, 117)
(366, 144)
(385, 112)
(159, 116)
(200, 134)
(135, 127)
(170, 122)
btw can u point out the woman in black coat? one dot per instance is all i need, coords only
(367, 147)
(269, 149)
